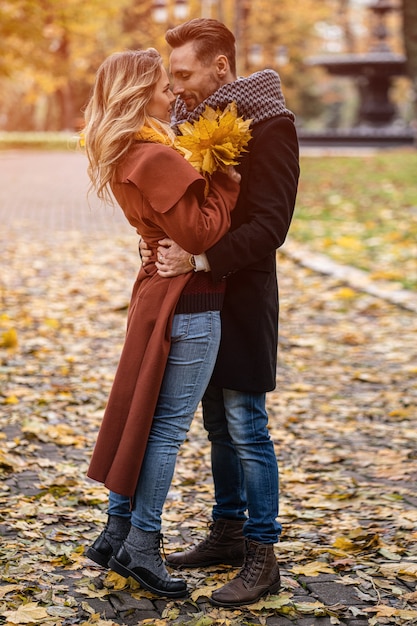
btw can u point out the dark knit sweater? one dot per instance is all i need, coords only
(201, 294)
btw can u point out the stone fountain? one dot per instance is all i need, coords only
(373, 72)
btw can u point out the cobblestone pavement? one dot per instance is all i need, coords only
(43, 199)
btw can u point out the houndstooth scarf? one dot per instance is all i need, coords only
(258, 97)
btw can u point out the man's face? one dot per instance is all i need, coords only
(192, 81)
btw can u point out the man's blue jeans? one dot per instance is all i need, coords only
(244, 465)
(195, 343)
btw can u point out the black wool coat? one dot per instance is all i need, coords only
(246, 256)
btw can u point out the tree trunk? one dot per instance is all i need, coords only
(66, 108)
(410, 45)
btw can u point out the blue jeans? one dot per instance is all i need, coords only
(195, 342)
(244, 465)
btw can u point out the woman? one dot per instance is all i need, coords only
(173, 328)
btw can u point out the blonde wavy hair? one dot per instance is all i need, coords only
(124, 85)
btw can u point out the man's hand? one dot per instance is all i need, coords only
(172, 260)
(233, 174)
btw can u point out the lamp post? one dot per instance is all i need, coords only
(161, 11)
(166, 14)
(255, 55)
(181, 10)
(281, 56)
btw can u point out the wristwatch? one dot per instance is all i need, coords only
(191, 261)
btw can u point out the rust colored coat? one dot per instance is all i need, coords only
(161, 195)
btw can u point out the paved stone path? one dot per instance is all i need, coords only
(43, 198)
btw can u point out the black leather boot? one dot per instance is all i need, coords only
(140, 558)
(224, 545)
(109, 540)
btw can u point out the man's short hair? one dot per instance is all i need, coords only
(210, 38)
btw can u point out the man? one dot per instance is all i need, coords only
(245, 471)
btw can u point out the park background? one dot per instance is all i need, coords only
(343, 414)
(50, 50)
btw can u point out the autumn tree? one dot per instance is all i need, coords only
(281, 36)
(50, 51)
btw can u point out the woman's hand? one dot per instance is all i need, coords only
(145, 252)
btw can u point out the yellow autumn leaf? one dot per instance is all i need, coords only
(402, 412)
(309, 608)
(312, 569)
(115, 581)
(215, 140)
(346, 293)
(349, 242)
(272, 602)
(401, 568)
(171, 613)
(357, 540)
(11, 400)
(6, 462)
(51, 322)
(205, 590)
(9, 338)
(343, 543)
(61, 434)
(382, 610)
(5, 589)
(30, 613)
(388, 274)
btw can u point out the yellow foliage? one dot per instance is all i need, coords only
(313, 569)
(215, 140)
(406, 569)
(346, 293)
(9, 338)
(343, 543)
(11, 400)
(30, 613)
(115, 581)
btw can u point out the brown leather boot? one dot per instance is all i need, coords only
(258, 576)
(224, 544)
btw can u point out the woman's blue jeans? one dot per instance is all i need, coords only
(244, 465)
(195, 342)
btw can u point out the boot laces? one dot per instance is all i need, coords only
(158, 547)
(211, 538)
(249, 569)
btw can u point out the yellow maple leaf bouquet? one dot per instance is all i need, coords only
(214, 141)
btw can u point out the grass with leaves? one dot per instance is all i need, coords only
(361, 211)
(38, 140)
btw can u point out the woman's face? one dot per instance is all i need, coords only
(160, 105)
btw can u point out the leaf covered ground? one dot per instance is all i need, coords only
(342, 419)
(362, 211)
